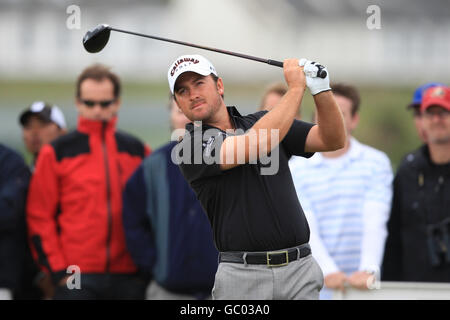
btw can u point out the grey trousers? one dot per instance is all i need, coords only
(299, 280)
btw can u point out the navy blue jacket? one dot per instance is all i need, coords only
(167, 232)
(14, 179)
(421, 200)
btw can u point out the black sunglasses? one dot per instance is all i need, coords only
(104, 104)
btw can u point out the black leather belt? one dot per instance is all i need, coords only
(271, 258)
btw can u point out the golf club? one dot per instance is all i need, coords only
(96, 39)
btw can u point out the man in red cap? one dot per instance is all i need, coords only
(415, 104)
(435, 110)
(419, 226)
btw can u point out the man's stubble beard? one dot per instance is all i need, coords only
(212, 111)
(439, 139)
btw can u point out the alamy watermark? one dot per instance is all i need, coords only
(373, 22)
(204, 147)
(74, 280)
(73, 21)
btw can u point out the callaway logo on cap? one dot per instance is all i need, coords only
(193, 63)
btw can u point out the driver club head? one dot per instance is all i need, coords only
(96, 39)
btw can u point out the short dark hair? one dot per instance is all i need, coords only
(98, 72)
(349, 92)
(279, 88)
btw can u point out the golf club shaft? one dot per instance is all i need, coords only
(240, 55)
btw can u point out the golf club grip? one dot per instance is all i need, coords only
(321, 74)
(275, 63)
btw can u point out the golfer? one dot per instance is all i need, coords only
(238, 167)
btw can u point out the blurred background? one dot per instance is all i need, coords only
(41, 54)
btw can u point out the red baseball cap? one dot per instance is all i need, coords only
(439, 96)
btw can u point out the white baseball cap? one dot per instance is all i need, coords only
(191, 62)
(46, 112)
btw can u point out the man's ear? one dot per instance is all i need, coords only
(220, 87)
(355, 121)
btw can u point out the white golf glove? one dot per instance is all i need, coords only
(315, 84)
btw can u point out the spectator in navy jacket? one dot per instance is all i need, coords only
(14, 178)
(166, 229)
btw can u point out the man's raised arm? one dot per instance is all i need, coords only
(327, 135)
(258, 140)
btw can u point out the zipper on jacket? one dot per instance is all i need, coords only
(108, 196)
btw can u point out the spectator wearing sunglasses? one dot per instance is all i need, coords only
(74, 209)
(417, 247)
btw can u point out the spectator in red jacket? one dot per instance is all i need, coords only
(74, 209)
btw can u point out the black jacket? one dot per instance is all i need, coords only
(421, 199)
(14, 178)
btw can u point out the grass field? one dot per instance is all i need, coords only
(385, 124)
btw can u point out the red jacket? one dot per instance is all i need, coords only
(74, 207)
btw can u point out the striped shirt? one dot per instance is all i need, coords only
(347, 202)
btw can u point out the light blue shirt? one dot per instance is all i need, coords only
(347, 202)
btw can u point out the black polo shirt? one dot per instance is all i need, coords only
(248, 210)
